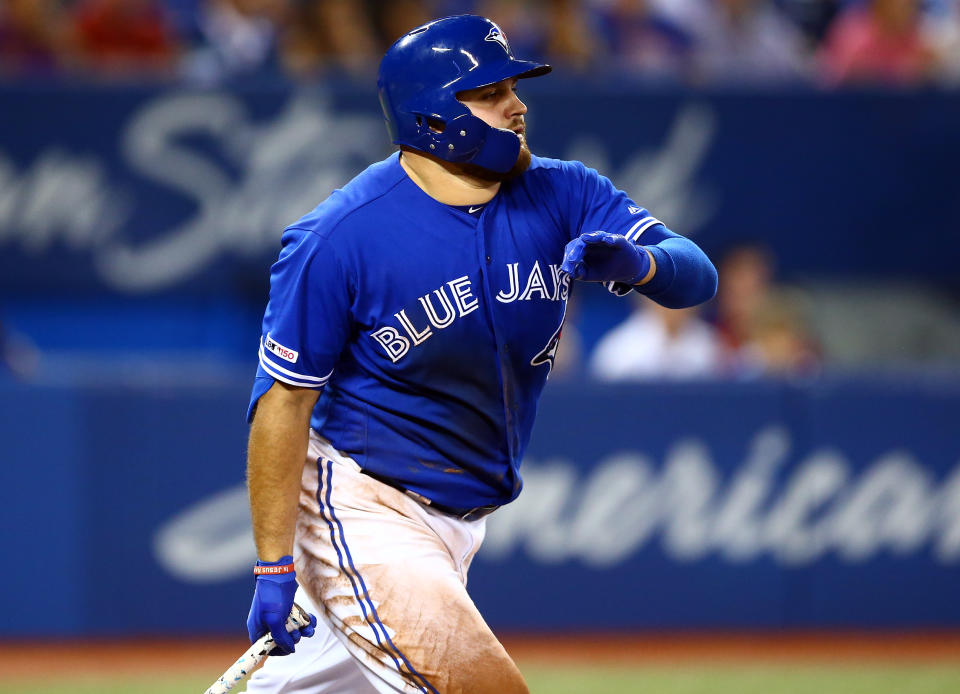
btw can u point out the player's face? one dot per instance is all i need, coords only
(498, 106)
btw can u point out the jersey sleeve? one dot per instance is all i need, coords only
(307, 320)
(598, 205)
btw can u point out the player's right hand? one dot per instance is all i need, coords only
(599, 256)
(272, 602)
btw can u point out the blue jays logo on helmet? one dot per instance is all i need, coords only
(497, 35)
(420, 76)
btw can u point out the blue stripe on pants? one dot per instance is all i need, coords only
(326, 507)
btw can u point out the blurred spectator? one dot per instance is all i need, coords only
(657, 342)
(125, 37)
(942, 25)
(738, 41)
(780, 342)
(33, 37)
(235, 38)
(328, 34)
(642, 40)
(813, 17)
(762, 329)
(880, 42)
(746, 273)
(571, 40)
(394, 18)
(182, 13)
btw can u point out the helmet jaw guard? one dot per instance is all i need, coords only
(499, 150)
(454, 134)
(419, 79)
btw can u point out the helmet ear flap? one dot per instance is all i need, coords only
(455, 139)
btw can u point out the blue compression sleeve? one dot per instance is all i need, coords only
(684, 277)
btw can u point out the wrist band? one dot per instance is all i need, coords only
(284, 569)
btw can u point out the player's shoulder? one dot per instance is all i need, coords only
(547, 168)
(559, 179)
(358, 198)
(551, 166)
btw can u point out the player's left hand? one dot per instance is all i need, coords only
(272, 602)
(599, 256)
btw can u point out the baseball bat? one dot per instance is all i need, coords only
(245, 664)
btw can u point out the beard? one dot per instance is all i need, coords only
(521, 165)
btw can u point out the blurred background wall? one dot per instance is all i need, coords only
(787, 455)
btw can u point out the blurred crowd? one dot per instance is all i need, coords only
(697, 42)
(755, 327)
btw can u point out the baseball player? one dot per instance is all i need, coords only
(414, 317)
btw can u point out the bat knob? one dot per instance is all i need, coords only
(298, 618)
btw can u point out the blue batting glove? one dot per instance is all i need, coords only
(599, 256)
(272, 602)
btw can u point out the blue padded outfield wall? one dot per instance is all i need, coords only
(835, 503)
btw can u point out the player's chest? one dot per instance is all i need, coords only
(484, 289)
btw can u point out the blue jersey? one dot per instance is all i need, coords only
(432, 328)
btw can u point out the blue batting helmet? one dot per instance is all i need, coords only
(420, 76)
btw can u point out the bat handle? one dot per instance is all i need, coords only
(257, 652)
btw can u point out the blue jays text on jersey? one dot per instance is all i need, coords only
(432, 328)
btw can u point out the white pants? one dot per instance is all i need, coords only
(386, 577)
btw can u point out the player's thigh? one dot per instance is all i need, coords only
(415, 622)
(388, 583)
(439, 629)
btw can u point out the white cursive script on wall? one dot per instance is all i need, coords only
(684, 507)
(251, 179)
(254, 175)
(286, 166)
(625, 503)
(59, 198)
